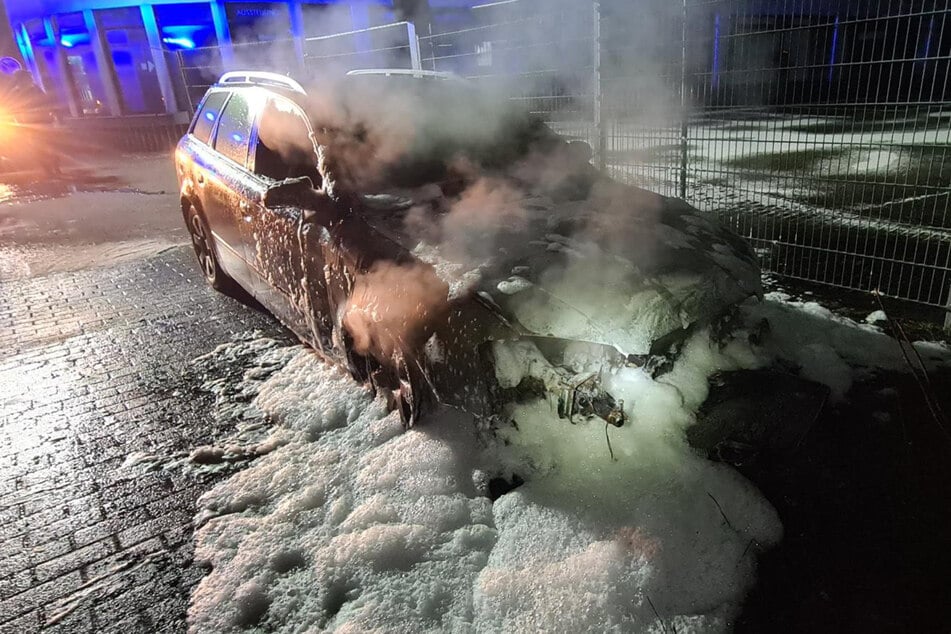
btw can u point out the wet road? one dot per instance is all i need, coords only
(94, 366)
(97, 213)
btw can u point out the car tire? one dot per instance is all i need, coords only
(204, 248)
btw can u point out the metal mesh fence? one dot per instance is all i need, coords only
(823, 135)
(820, 130)
(130, 134)
(643, 104)
(199, 68)
(386, 46)
(544, 59)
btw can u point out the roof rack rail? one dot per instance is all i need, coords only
(260, 77)
(404, 71)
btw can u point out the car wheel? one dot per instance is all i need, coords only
(205, 252)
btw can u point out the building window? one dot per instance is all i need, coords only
(192, 55)
(83, 72)
(127, 44)
(258, 21)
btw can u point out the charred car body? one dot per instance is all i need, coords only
(443, 248)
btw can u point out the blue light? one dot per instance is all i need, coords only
(715, 71)
(835, 44)
(180, 42)
(237, 138)
(210, 116)
(187, 36)
(927, 52)
(69, 40)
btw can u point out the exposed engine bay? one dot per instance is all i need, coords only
(569, 375)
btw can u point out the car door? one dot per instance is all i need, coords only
(284, 241)
(229, 187)
(203, 183)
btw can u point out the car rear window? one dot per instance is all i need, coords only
(206, 117)
(234, 131)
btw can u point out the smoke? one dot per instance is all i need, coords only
(497, 173)
(413, 10)
(468, 230)
(360, 133)
(393, 307)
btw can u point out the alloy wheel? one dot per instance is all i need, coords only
(202, 246)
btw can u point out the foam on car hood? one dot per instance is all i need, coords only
(623, 267)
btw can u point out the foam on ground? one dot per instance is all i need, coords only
(351, 524)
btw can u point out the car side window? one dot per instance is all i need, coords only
(284, 148)
(208, 115)
(234, 131)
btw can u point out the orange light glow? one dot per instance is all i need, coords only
(8, 130)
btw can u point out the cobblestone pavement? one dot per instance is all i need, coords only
(93, 368)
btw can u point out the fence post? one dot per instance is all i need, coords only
(414, 58)
(683, 102)
(222, 34)
(597, 89)
(297, 31)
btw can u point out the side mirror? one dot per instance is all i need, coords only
(291, 192)
(317, 208)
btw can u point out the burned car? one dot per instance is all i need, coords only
(443, 246)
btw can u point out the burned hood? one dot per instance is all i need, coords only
(619, 266)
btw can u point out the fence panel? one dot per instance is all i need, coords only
(388, 46)
(608, 72)
(199, 68)
(540, 55)
(644, 110)
(822, 133)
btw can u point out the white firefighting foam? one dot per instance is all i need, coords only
(352, 524)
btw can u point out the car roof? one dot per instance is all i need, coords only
(290, 89)
(293, 96)
(405, 72)
(259, 78)
(284, 84)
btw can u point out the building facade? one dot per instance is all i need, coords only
(104, 58)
